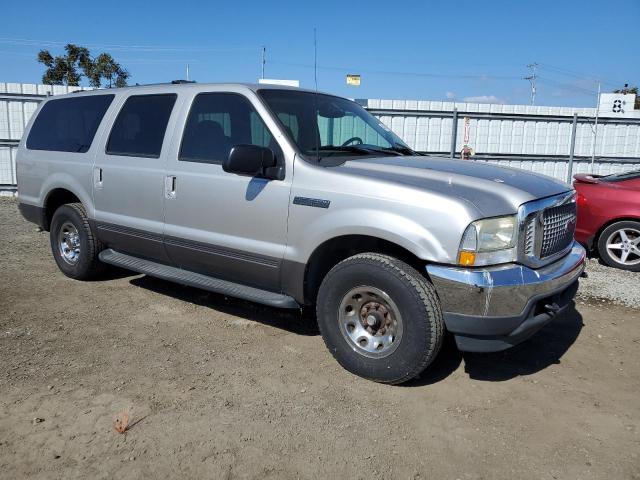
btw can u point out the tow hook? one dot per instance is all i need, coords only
(552, 307)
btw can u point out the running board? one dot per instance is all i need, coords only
(197, 280)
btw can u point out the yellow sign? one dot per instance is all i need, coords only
(353, 80)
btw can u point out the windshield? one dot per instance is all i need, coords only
(326, 126)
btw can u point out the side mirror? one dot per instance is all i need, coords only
(253, 161)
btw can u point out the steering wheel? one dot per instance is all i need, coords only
(354, 140)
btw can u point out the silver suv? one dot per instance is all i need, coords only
(289, 197)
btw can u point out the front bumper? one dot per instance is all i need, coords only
(492, 309)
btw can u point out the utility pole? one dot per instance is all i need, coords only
(595, 129)
(532, 80)
(264, 59)
(187, 72)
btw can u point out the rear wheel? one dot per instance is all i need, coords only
(380, 318)
(619, 245)
(74, 246)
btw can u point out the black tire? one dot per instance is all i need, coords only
(607, 256)
(87, 266)
(413, 296)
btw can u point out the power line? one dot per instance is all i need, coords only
(532, 80)
(582, 76)
(148, 48)
(566, 86)
(392, 72)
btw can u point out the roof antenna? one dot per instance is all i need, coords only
(315, 58)
(315, 78)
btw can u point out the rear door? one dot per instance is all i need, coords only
(129, 174)
(217, 223)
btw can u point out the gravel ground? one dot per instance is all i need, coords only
(220, 388)
(608, 284)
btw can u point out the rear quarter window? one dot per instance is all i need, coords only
(141, 124)
(68, 124)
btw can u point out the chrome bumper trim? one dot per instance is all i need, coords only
(503, 291)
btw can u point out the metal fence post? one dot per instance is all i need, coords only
(12, 165)
(454, 133)
(574, 127)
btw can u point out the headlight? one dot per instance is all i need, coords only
(489, 242)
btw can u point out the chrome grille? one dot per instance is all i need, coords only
(547, 227)
(559, 225)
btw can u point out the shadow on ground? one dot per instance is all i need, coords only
(544, 349)
(113, 273)
(294, 321)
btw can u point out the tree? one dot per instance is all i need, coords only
(105, 67)
(628, 89)
(65, 69)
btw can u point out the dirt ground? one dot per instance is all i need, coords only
(221, 388)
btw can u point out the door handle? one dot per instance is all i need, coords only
(97, 177)
(170, 182)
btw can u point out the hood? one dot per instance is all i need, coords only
(493, 190)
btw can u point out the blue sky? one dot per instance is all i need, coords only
(407, 50)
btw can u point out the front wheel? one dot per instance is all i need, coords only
(619, 245)
(380, 318)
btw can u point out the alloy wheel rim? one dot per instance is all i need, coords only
(623, 246)
(370, 322)
(69, 243)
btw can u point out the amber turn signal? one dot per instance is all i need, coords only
(466, 258)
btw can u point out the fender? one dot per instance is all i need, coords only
(370, 222)
(399, 230)
(63, 180)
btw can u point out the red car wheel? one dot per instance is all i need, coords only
(619, 245)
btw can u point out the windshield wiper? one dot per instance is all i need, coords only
(343, 148)
(363, 149)
(401, 149)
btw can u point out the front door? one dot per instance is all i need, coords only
(217, 223)
(129, 175)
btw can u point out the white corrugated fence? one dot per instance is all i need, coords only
(535, 138)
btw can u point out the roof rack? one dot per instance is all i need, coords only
(180, 82)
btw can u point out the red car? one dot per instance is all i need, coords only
(609, 217)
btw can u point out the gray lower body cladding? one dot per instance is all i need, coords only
(491, 309)
(32, 213)
(202, 258)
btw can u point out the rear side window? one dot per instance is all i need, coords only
(140, 127)
(68, 124)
